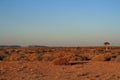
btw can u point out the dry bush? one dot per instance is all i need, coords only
(76, 58)
(99, 57)
(108, 56)
(117, 58)
(87, 56)
(102, 57)
(14, 57)
(68, 56)
(2, 55)
(47, 57)
(114, 55)
(33, 57)
(58, 55)
(61, 61)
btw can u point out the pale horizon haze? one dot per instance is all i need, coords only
(59, 22)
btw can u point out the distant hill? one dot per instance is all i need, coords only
(37, 46)
(11, 46)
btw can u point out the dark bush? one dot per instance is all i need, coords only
(61, 61)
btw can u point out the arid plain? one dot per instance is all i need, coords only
(60, 63)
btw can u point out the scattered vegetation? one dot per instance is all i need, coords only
(14, 57)
(60, 55)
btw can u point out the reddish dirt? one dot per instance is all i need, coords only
(36, 70)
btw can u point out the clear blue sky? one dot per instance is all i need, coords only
(59, 22)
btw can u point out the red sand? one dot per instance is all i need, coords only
(36, 70)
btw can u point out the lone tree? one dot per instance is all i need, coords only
(106, 45)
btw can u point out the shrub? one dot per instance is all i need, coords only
(32, 57)
(2, 55)
(102, 57)
(47, 57)
(99, 57)
(108, 56)
(14, 57)
(58, 55)
(61, 61)
(76, 58)
(86, 56)
(68, 56)
(117, 58)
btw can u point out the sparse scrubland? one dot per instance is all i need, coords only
(54, 53)
(60, 63)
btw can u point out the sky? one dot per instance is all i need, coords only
(59, 22)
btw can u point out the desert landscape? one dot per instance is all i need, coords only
(59, 40)
(60, 63)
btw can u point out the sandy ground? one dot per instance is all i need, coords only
(25, 70)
